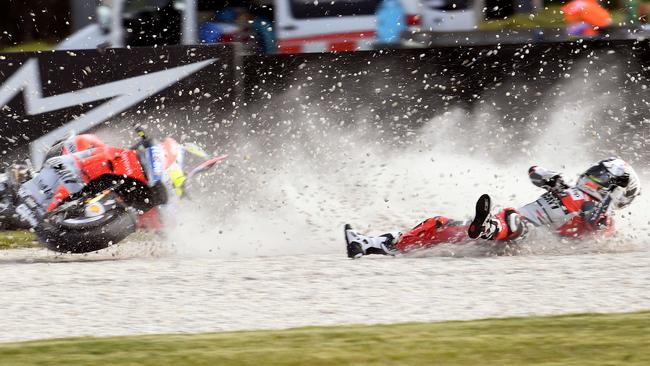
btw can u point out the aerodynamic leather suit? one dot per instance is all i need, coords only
(609, 185)
(571, 212)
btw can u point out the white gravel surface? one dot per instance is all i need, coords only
(291, 197)
(45, 296)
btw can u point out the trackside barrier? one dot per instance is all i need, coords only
(516, 88)
(44, 96)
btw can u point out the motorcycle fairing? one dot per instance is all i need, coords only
(65, 175)
(112, 161)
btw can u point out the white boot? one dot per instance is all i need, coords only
(359, 245)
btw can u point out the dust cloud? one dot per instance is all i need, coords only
(291, 193)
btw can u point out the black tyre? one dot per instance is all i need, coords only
(113, 227)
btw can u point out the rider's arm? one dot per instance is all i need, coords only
(547, 179)
(144, 140)
(596, 214)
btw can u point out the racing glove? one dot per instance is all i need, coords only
(547, 179)
(596, 214)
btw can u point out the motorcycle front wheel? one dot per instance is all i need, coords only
(87, 234)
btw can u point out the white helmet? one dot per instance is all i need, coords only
(612, 177)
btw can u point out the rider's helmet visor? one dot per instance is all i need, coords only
(600, 175)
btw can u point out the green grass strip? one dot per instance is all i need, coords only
(549, 17)
(586, 339)
(15, 239)
(29, 47)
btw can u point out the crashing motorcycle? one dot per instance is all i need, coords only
(88, 195)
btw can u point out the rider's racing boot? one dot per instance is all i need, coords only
(359, 245)
(507, 224)
(482, 225)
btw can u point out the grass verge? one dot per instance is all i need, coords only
(549, 17)
(15, 239)
(586, 339)
(29, 47)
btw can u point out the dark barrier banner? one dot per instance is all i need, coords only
(44, 96)
(515, 89)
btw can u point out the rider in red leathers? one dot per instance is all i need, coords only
(572, 212)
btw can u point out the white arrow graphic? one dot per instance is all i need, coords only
(123, 93)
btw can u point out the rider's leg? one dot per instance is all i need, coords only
(507, 225)
(433, 231)
(359, 244)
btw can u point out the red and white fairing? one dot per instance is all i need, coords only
(83, 159)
